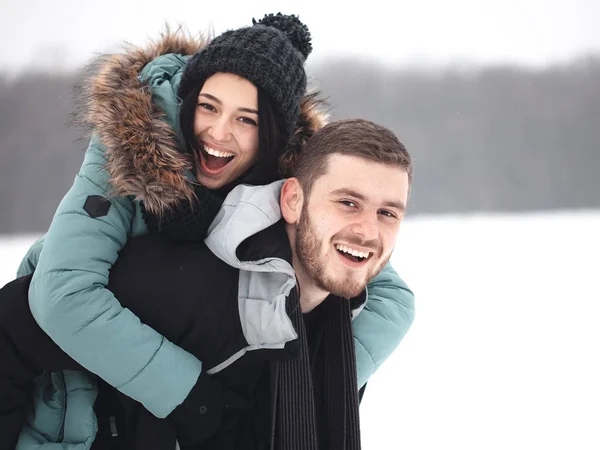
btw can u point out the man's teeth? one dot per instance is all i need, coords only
(352, 252)
(217, 153)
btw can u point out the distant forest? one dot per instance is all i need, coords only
(490, 139)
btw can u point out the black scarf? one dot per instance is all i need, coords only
(316, 402)
(187, 221)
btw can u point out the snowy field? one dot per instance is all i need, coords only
(503, 353)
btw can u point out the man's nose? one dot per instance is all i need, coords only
(367, 226)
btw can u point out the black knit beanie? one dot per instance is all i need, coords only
(270, 54)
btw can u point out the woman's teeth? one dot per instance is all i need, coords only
(217, 153)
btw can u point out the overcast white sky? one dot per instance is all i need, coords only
(66, 33)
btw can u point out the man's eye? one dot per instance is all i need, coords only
(348, 203)
(387, 213)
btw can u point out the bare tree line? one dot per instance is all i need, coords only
(493, 139)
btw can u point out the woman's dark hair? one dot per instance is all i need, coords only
(271, 139)
(187, 116)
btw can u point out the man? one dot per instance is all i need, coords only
(266, 304)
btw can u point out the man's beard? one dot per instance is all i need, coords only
(314, 264)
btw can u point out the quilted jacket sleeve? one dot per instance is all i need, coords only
(69, 299)
(383, 322)
(29, 262)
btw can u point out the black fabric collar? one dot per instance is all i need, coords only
(270, 242)
(358, 301)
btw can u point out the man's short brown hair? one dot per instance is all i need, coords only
(352, 137)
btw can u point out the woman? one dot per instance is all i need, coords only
(164, 151)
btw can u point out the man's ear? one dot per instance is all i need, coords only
(291, 200)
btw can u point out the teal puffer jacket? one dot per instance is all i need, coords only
(133, 155)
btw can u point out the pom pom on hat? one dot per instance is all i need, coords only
(294, 29)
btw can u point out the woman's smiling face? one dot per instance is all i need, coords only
(226, 126)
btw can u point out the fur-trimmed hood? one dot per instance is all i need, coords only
(142, 149)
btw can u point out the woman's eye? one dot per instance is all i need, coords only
(206, 106)
(248, 121)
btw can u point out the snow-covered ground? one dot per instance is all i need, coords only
(503, 353)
